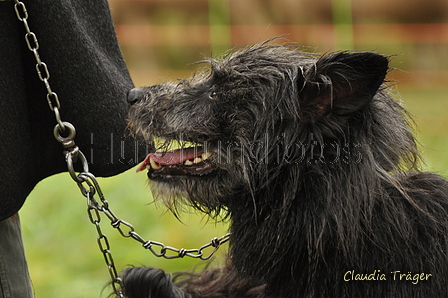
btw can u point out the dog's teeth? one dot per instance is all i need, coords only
(154, 164)
(188, 162)
(206, 155)
(197, 160)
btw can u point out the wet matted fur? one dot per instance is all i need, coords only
(316, 167)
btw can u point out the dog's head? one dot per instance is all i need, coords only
(254, 113)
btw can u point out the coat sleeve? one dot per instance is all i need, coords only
(78, 43)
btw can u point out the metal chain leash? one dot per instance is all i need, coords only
(88, 184)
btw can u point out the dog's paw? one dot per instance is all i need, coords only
(145, 282)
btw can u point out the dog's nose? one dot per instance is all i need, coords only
(134, 95)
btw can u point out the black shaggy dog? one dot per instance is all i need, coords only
(315, 166)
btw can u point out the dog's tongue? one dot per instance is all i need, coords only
(171, 157)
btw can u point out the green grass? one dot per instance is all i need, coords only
(60, 241)
(429, 112)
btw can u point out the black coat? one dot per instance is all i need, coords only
(78, 43)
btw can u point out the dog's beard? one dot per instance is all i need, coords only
(172, 195)
(207, 194)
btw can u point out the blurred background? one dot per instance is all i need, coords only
(161, 40)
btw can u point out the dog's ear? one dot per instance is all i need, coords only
(341, 83)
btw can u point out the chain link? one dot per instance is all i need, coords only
(101, 206)
(88, 184)
(33, 46)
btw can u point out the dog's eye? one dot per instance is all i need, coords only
(213, 95)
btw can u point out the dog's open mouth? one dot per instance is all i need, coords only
(194, 161)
